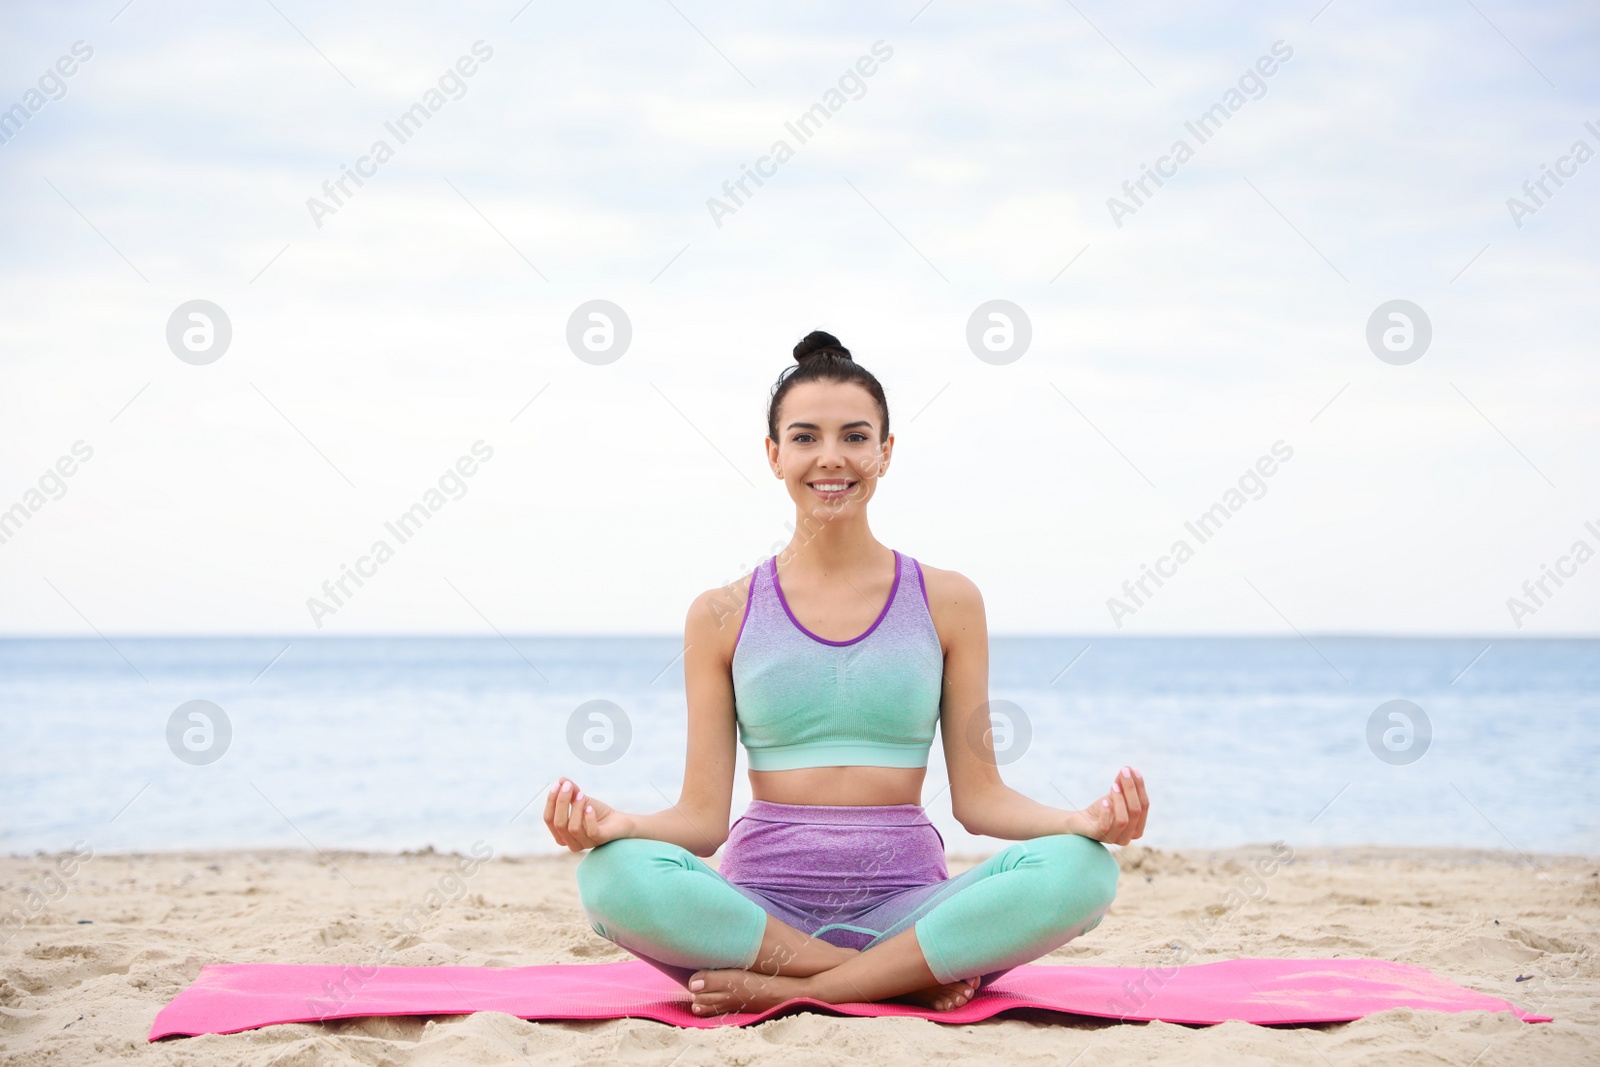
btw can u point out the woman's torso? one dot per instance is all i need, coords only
(815, 604)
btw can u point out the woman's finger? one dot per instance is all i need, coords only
(550, 802)
(568, 814)
(565, 815)
(1144, 802)
(550, 820)
(591, 823)
(1102, 814)
(1130, 793)
(575, 820)
(1119, 816)
(581, 810)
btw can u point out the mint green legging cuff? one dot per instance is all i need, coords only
(659, 899)
(662, 903)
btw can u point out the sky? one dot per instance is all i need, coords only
(384, 339)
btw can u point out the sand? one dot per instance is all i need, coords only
(85, 975)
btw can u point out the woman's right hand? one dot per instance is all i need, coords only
(1118, 817)
(578, 821)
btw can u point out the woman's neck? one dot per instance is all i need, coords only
(829, 547)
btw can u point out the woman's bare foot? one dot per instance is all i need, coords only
(942, 997)
(721, 991)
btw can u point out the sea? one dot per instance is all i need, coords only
(126, 744)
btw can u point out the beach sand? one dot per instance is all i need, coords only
(85, 976)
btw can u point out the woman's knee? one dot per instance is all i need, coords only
(618, 880)
(658, 901)
(1084, 871)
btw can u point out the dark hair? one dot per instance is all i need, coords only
(819, 357)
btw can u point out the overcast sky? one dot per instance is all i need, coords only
(1175, 340)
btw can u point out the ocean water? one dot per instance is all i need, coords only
(407, 742)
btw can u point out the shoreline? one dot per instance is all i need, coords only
(1446, 855)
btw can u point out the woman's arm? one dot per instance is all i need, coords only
(699, 820)
(981, 802)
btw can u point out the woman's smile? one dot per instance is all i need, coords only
(834, 489)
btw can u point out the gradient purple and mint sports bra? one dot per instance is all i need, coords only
(804, 701)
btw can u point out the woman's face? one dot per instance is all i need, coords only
(828, 453)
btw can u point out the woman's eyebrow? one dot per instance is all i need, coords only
(814, 426)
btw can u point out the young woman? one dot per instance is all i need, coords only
(833, 662)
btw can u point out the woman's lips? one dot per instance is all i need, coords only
(837, 494)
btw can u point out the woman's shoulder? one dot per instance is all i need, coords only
(717, 613)
(948, 586)
(953, 600)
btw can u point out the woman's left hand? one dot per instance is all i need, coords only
(1118, 817)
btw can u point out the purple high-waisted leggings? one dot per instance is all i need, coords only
(842, 874)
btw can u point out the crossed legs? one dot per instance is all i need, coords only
(674, 911)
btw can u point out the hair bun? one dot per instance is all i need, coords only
(815, 343)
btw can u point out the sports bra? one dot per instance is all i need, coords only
(805, 701)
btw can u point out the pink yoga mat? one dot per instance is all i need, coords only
(227, 998)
